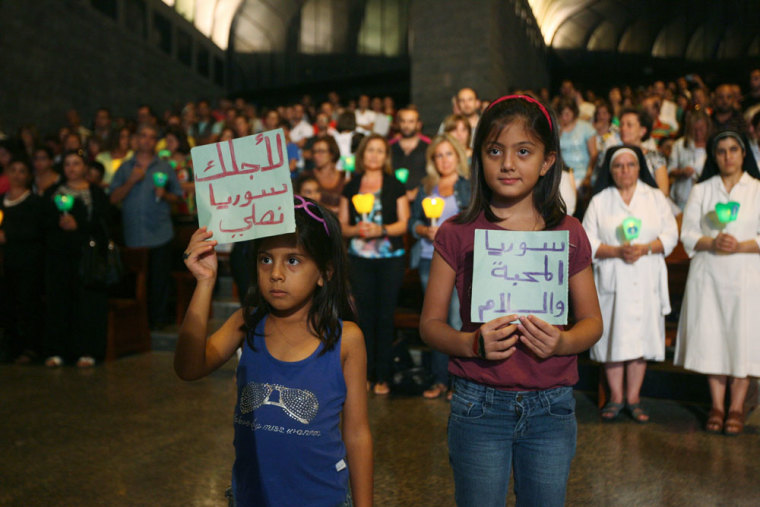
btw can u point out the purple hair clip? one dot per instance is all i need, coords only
(304, 205)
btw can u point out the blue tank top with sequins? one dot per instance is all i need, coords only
(288, 444)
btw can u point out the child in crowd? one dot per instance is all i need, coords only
(513, 398)
(306, 185)
(302, 367)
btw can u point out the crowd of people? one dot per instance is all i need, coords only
(629, 165)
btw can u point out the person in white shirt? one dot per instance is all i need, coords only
(630, 274)
(688, 156)
(717, 331)
(300, 129)
(365, 117)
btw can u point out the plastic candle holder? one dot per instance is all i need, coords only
(727, 211)
(631, 228)
(363, 204)
(433, 208)
(402, 174)
(349, 163)
(64, 202)
(160, 179)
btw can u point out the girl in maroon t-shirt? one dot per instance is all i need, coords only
(513, 399)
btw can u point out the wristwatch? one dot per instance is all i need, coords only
(649, 249)
(384, 231)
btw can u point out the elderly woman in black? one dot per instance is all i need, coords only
(22, 239)
(76, 312)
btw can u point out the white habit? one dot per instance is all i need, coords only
(719, 328)
(633, 297)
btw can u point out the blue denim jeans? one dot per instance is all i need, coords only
(489, 430)
(439, 362)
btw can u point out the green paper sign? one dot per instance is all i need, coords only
(727, 211)
(160, 179)
(402, 174)
(64, 202)
(522, 273)
(631, 228)
(243, 188)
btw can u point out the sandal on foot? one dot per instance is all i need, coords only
(435, 391)
(26, 357)
(714, 422)
(734, 423)
(637, 413)
(53, 361)
(611, 411)
(382, 389)
(85, 362)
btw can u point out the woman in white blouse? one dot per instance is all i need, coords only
(630, 274)
(720, 314)
(688, 156)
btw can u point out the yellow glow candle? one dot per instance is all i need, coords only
(364, 204)
(433, 208)
(1, 217)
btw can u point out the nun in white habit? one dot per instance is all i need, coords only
(720, 315)
(631, 229)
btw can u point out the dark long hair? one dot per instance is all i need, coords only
(749, 165)
(546, 197)
(605, 180)
(330, 302)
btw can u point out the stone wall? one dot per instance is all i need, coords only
(62, 54)
(485, 45)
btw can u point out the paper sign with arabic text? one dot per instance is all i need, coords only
(522, 273)
(243, 188)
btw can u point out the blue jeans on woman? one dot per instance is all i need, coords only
(439, 362)
(490, 429)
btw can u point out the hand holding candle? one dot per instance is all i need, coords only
(433, 208)
(159, 181)
(64, 203)
(364, 204)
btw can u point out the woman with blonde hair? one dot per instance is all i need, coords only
(459, 128)
(447, 179)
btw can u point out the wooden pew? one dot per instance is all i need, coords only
(128, 330)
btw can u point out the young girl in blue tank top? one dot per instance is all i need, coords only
(301, 369)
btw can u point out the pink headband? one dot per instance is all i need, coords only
(528, 99)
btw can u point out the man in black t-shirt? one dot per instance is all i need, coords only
(408, 151)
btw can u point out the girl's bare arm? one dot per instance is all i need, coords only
(356, 432)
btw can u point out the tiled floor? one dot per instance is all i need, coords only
(130, 433)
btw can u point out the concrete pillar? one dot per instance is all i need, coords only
(483, 44)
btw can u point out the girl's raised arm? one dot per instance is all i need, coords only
(356, 432)
(196, 357)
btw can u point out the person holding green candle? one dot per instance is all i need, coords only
(717, 331)
(75, 212)
(146, 216)
(631, 229)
